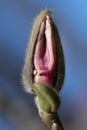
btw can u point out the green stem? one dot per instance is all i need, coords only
(48, 101)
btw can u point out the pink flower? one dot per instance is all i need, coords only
(45, 54)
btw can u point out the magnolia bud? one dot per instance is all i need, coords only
(44, 62)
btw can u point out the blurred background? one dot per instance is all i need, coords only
(17, 108)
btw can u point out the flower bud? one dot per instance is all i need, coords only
(44, 62)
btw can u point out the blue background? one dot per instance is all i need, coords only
(17, 108)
